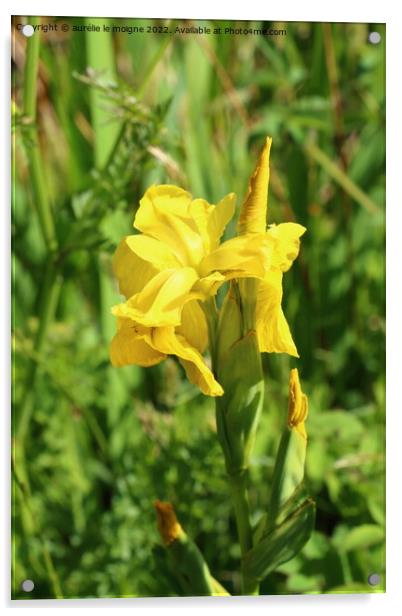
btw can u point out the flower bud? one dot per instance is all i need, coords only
(291, 456)
(238, 367)
(298, 405)
(253, 214)
(168, 526)
(186, 559)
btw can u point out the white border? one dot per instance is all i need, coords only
(308, 10)
(285, 10)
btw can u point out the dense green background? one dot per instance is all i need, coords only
(95, 446)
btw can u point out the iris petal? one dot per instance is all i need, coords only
(153, 251)
(238, 257)
(165, 340)
(161, 301)
(131, 271)
(194, 326)
(286, 238)
(219, 218)
(272, 328)
(164, 214)
(129, 347)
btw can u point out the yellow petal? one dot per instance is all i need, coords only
(199, 212)
(176, 200)
(246, 255)
(194, 326)
(165, 340)
(161, 301)
(219, 218)
(253, 214)
(272, 328)
(286, 238)
(165, 214)
(153, 251)
(128, 347)
(298, 404)
(209, 285)
(131, 271)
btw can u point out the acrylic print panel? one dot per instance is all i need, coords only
(198, 307)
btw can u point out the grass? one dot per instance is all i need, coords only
(95, 446)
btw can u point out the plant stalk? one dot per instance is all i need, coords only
(51, 282)
(41, 200)
(239, 493)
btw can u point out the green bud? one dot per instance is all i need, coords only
(239, 371)
(187, 561)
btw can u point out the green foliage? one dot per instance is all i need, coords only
(281, 543)
(98, 445)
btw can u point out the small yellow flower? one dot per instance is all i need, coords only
(298, 404)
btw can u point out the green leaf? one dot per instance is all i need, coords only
(100, 58)
(363, 536)
(282, 544)
(288, 472)
(190, 567)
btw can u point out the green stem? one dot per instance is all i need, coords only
(241, 506)
(238, 488)
(238, 481)
(41, 200)
(31, 71)
(51, 281)
(50, 291)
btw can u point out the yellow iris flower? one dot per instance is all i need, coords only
(164, 272)
(177, 262)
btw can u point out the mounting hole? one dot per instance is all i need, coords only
(374, 38)
(27, 585)
(374, 579)
(28, 30)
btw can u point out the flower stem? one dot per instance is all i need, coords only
(51, 282)
(41, 200)
(238, 488)
(49, 296)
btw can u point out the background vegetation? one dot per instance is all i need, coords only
(94, 446)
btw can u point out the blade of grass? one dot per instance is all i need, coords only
(47, 557)
(100, 57)
(50, 287)
(107, 135)
(41, 200)
(340, 177)
(153, 64)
